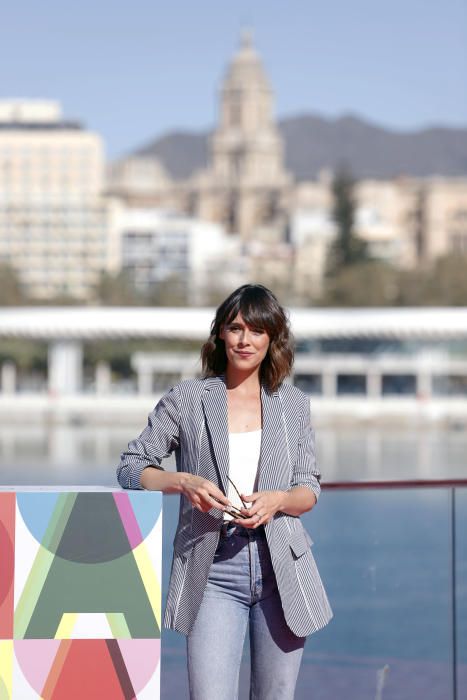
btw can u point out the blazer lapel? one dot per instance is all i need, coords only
(272, 426)
(215, 412)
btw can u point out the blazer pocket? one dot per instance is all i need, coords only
(300, 542)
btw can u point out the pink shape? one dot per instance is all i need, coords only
(129, 521)
(141, 657)
(35, 657)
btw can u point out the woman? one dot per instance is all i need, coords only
(245, 472)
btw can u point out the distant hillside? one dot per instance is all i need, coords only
(182, 152)
(313, 143)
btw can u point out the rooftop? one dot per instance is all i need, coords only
(193, 323)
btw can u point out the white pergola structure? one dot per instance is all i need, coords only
(66, 328)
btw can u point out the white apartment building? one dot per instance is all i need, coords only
(159, 245)
(56, 229)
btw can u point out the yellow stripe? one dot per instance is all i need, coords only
(118, 625)
(6, 669)
(151, 584)
(31, 591)
(42, 562)
(66, 626)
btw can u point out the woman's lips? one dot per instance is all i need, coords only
(243, 354)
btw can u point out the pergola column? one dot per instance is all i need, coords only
(8, 378)
(329, 383)
(144, 380)
(65, 367)
(374, 383)
(103, 378)
(424, 384)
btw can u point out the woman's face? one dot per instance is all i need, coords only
(245, 347)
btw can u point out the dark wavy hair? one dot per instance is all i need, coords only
(260, 309)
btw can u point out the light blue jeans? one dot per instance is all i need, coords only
(242, 588)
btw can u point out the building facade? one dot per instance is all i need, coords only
(64, 218)
(56, 229)
(179, 258)
(286, 227)
(245, 186)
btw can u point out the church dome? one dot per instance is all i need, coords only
(246, 69)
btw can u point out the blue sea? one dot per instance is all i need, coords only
(386, 558)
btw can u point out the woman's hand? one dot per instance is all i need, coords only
(202, 493)
(265, 505)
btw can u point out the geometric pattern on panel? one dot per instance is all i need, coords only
(80, 595)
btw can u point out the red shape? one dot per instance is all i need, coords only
(87, 672)
(7, 563)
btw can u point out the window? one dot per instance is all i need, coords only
(309, 383)
(351, 384)
(449, 385)
(399, 384)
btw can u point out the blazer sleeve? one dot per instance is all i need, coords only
(158, 440)
(305, 472)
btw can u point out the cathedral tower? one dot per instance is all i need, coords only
(246, 180)
(246, 147)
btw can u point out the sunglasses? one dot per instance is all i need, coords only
(233, 510)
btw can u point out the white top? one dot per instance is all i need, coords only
(244, 450)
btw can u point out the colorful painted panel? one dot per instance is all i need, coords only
(80, 595)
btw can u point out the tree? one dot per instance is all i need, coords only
(447, 284)
(443, 284)
(370, 283)
(117, 290)
(347, 248)
(171, 291)
(11, 292)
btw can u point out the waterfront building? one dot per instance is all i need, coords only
(143, 182)
(310, 233)
(444, 202)
(194, 257)
(387, 217)
(402, 365)
(56, 229)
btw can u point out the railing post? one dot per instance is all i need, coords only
(454, 592)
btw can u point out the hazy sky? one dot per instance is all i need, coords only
(133, 70)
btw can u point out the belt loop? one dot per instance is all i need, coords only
(224, 528)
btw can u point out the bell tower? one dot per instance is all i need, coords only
(246, 148)
(245, 186)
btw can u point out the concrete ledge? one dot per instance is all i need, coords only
(124, 409)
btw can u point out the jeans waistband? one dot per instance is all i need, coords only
(228, 529)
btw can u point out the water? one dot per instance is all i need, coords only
(68, 454)
(387, 557)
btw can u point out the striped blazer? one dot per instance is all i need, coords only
(191, 419)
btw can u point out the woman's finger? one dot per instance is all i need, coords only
(251, 522)
(217, 495)
(251, 497)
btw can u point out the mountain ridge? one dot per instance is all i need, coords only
(313, 142)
